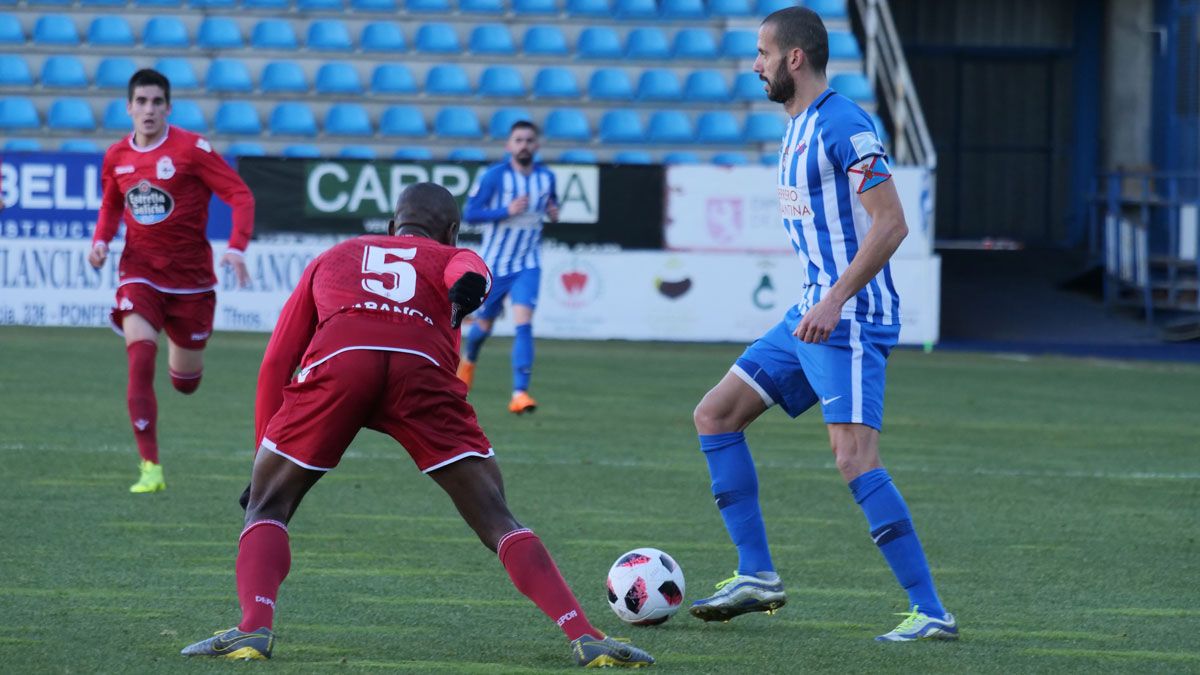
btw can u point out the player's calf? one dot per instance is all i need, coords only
(186, 383)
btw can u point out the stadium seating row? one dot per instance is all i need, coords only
(332, 35)
(622, 9)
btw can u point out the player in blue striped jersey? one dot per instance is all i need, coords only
(514, 199)
(842, 214)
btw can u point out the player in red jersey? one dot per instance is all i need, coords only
(161, 178)
(373, 327)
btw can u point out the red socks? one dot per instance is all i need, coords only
(264, 558)
(185, 383)
(143, 408)
(534, 573)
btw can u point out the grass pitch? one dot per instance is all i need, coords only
(1058, 500)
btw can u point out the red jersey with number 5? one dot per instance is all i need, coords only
(163, 193)
(376, 292)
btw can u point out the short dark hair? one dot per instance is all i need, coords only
(149, 77)
(801, 27)
(524, 124)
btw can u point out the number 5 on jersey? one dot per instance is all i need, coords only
(391, 263)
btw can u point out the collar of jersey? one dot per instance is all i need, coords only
(135, 146)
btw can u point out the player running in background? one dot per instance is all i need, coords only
(514, 198)
(844, 219)
(373, 326)
(161, 178)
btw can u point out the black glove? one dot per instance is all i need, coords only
(466, 295)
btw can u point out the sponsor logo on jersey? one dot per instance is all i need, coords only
(165, 169)
(149, 203)
(124, 169)
(203, 145)
(201, 336)
(792, 203)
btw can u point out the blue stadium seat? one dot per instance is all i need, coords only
(357, 152)
(430, 6)
(72, 114)
(659, 84)
(544, 41)
(228, 75)
(17, 112)
(187, 114)
(348, 119)
(11, 32)
(853, 86)
(266, 4)
(94, 3)
(55, 29)
(599, 42)
(730, 159)
(157, 4)
(22, 145)
(302, 150)
(747, 87)
(457, 122)
(110, 31)
(534, 7)
(393, 78)
(740, 44)
(567, 124)
(633, 157)
(218, 32)
(329, 35)
(828, 9)
(448, 79)
(501, 82)
(694, 43)
(555, 82)
(491, 38)
(403, 120)
(681, 157)
(79, 145)
(115, 117)
(237, 117)
(592, 8)
(481, 6)
(467, 155)
(669, 126)
(437, 38)
(503, 119)
(337, 77)
(764, 127)
(211, 4)
(48, 2)
(283, 77)
(14, 71)
(163, 32)
(635, 9)
(765, 7)
(178, 72)
(273, 34)
(413, 154)
(577, 156)
(245, 149)
(388, 6)
(382, 36)
(843, 45)
(705, 86)
(718, 126)
(647, 43)
(730, 8)
(293, 118)
(319, 5)
(63, 71)
(683, 9)
(610, 84)
(621, 126)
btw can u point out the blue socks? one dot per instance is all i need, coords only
(735, 488)
(475, 338)
(522, 357)
(892, 530)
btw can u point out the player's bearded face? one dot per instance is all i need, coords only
(780, 87)
(523, 146)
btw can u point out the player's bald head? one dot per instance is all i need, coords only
(430, 207)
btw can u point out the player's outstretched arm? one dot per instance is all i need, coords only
(476, 210)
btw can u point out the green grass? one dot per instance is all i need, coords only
(1058, 499)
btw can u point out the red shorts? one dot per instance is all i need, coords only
(187, 317)
(421, 405)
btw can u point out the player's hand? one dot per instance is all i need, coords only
(819, 322)
(552, 212)
(466, 295)
(238, 262)
(98, 254)
(518, 205)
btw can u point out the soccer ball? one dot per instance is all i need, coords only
(645, 587)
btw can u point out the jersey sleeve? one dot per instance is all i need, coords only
(229, 186)
(477, 210)
(857, 152)
(293, 331)
(462, 262)
(112, 204)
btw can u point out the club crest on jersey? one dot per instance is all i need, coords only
(165, 168)
(203, 145)
(149, 203)
(869, 173)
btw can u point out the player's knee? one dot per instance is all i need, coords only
(186, 383)
(711, 419)
(852, 458)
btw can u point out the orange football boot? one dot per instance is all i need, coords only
(466, 372)
(522, 403)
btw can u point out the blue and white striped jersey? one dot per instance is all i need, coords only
(831, 155)
(511, 244)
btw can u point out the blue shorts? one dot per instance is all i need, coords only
(845, 373)
(523, 286)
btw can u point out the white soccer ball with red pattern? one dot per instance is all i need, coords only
(645, 587)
